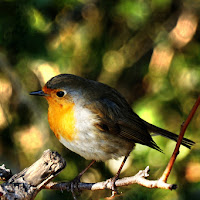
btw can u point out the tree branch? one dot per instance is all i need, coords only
(139, 178)
(168, 169)
(27, 183)
(5, 174)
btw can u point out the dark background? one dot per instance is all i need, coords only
(147, 50)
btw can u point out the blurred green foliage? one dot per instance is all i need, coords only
(148, 50)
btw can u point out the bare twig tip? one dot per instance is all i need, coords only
(173, 187)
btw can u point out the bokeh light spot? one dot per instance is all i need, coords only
(193, 172)
(113, 61)
(5, 90)
(44, 70)
(30, 139)
(114, 165)
(37, 20)
(3, 121)
(161, 60)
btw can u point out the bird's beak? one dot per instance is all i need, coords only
(39, 93)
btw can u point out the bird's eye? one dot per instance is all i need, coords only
(60, 93)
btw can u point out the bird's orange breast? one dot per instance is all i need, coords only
(61, 119)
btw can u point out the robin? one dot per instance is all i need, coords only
(95, 121)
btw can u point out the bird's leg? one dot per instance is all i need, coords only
(113, 180)
(76, 180)
(81, 173)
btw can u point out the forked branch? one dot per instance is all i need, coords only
(139, 178)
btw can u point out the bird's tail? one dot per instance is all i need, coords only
(154, 129)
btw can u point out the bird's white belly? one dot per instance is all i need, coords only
(91, 143)
(92, 147)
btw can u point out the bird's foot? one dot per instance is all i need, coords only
(74, 186)
(113, 187)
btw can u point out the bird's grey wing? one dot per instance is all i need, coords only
(121, 121)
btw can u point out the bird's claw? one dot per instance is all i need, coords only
(74, 187)
(113, 187)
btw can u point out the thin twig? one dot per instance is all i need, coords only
(139, 178)
(168, 169)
